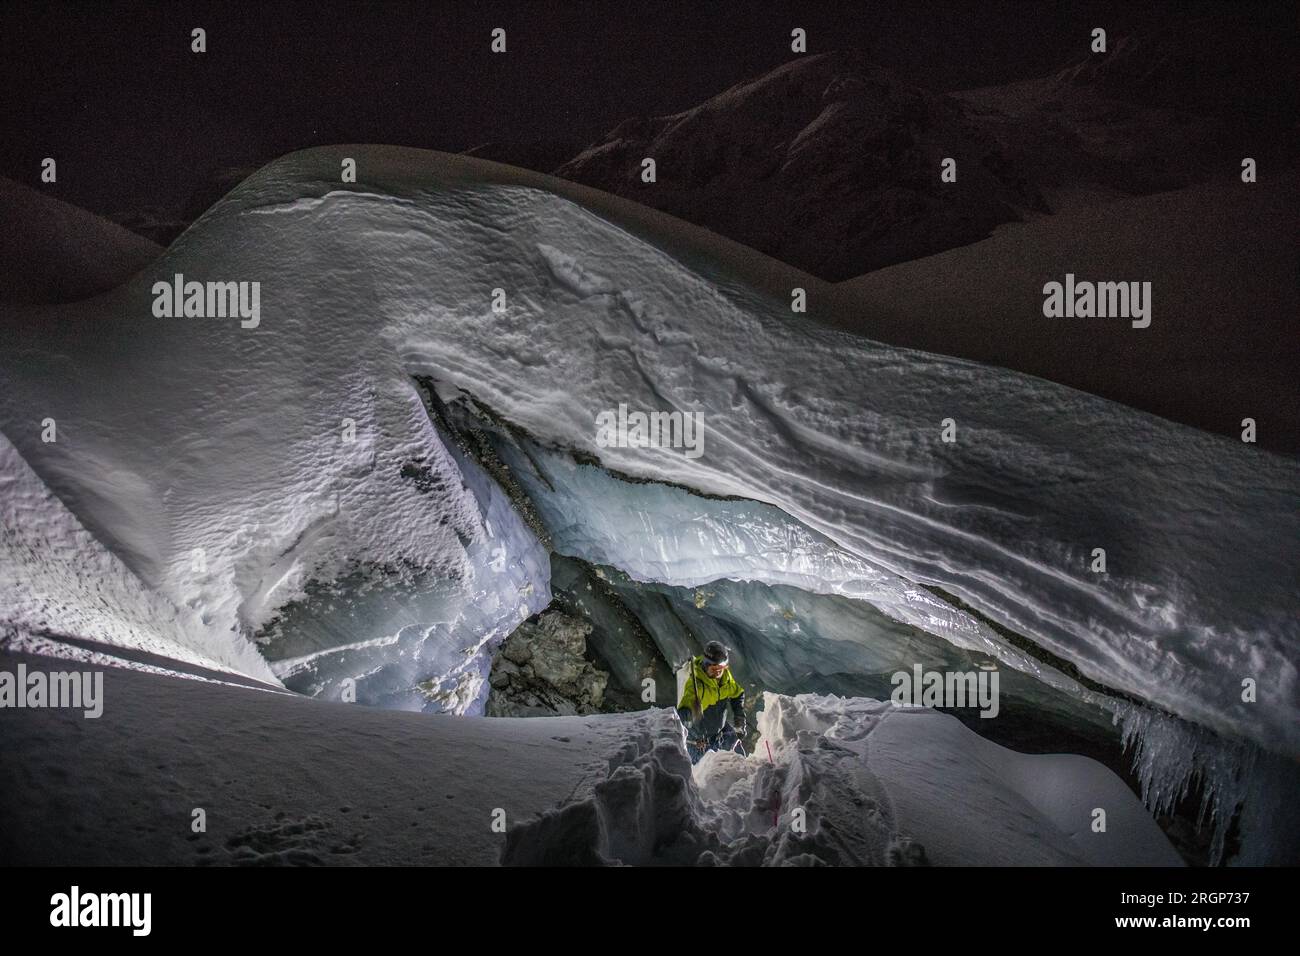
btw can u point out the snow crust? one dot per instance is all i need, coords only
(56, 579)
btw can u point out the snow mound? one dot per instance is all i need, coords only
(847, 781)
(56, 252)
(284, 779)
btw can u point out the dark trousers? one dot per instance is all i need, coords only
(724, 739)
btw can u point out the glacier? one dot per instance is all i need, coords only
(283, 493)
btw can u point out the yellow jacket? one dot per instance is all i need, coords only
(704, 702)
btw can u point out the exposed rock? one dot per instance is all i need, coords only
(541, 670)
(1162, 109)
(829, 163)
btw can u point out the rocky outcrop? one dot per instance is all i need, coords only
(829, 163)
(542, 671)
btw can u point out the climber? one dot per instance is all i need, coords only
(710, 688)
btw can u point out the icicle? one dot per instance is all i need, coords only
(1170, 756)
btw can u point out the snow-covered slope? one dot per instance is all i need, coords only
(288, 780)
(227, 439)
(55, 252)
(852, 782)
(1222, 261)
(57, 580)
(284, 780)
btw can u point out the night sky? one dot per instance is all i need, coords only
(136, 120)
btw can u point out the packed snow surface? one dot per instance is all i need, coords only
(852, 782)
(288, 780)
(209, 457)
(283, 779)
